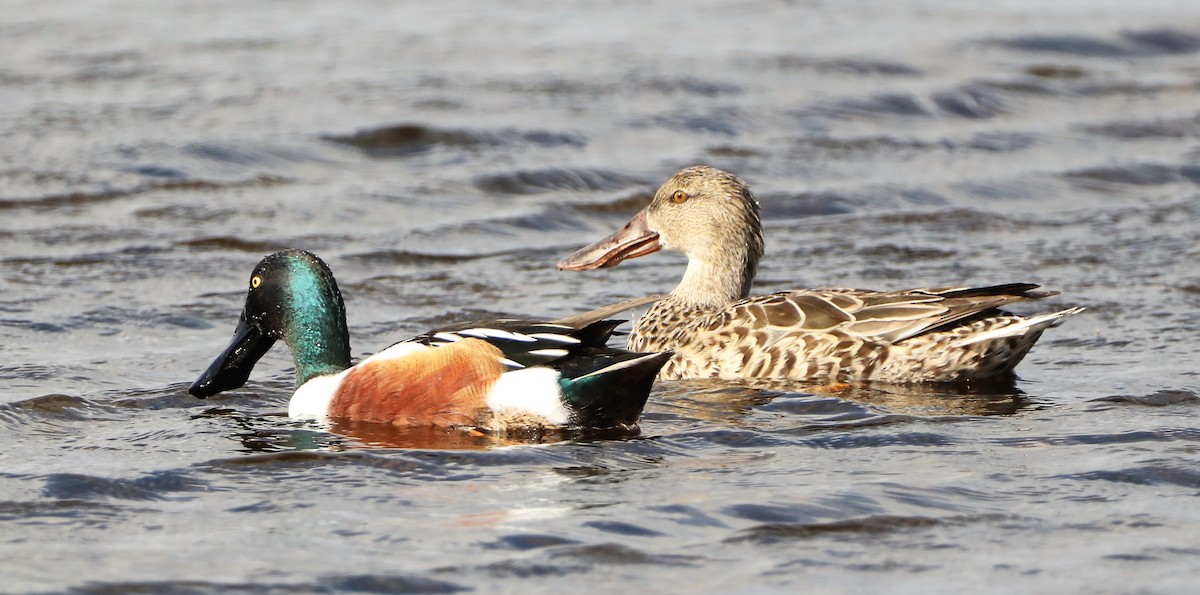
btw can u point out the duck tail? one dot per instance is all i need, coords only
(610, 387)
(1033, 324)
(596, 334)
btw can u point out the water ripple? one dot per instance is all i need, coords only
(38, 511)
(621, 555)
(524, 569)
(1167, 128)
(777, 533)
(689, 85)
(799, 512)
(409, 258)
(528, 541)
(1130, 437)
(553, 179)
(1134, 174)
(407, 139)
(1160, 398)
(690, 516)
(256, 246)
(725, 437)
(882, 104)
(1133, 44)
(853, 66)
(441, 166)
(623, 528)
(722, 122)
(1150, 473)
(364, 583)
(780, 207)
(153, 486)
(56, 407)
(841, 441)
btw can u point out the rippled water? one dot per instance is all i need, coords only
(442, 156)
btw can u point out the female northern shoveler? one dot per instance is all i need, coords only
(490, 376)
(716, 331)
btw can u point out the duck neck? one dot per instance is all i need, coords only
(718, 278)
(316, 331)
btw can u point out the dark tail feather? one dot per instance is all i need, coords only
(610, 388)
(597, 333)
(1016, 289)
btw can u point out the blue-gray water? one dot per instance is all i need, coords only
(443, 155)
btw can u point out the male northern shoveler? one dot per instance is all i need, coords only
(489, 376)
(716, 331)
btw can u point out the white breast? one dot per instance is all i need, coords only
(312, 399)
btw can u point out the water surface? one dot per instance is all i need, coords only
(442, 156)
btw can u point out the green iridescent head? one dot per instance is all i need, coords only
(293, 297)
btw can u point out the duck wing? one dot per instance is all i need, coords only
(527, 343)
(879, 316)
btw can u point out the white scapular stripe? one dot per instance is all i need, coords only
(397, 351)
(448, 337)
(484, 333)
(555, 338)
(549, 352)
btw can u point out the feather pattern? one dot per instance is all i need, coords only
(843, 334)
(717, 331)
(490, 375)
(523, 343)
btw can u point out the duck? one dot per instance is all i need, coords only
(496, 377)
(717, 330)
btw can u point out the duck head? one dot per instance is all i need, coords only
(292, 296)
(709, 215)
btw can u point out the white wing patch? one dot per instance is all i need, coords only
(532, 391)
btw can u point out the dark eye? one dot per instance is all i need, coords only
(679, 196)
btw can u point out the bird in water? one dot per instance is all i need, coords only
(717, 330)
(492, 376)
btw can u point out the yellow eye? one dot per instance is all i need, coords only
(679, 196)
(255, 281)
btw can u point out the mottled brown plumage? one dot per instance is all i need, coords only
(716, 331)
